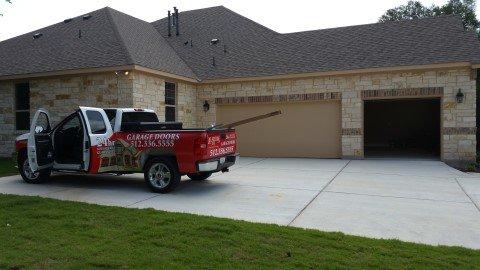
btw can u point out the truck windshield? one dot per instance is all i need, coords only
(136, 117)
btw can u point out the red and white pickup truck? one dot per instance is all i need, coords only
(119, 141)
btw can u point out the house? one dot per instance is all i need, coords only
(384, 89)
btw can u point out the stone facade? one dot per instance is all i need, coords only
(458, 120)
(7, 118)
(149, 92)
(60, 95)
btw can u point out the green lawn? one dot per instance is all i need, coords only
(45, 233)
(7, 167)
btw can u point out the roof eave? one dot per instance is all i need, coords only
(344, 72)
(97, 70)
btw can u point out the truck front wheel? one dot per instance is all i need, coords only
(27, 174)
(161, 175)
(199, 176)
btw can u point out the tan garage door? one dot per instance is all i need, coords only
(305, 129)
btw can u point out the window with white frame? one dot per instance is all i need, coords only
(170, 102)
(22, 106)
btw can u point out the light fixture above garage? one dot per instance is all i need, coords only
(460, 96)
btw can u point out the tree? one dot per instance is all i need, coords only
(465, 9)
(415, 10)
(8, 1)
(412, 10)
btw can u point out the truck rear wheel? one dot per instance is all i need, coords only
(161, 175)
(27, 174)
(199, 176)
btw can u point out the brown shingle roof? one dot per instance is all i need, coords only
(109, 38)
(253, 50)
(246, 48)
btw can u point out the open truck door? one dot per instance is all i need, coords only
(99, 131)
(39, 146)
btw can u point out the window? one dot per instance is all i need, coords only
(42, 126)
(22, 106)
(72, 126)
(111, 114)
(97, 124)
(170, 102)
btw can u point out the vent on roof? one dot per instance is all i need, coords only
(172, 21)
(214, 41)
(169, 24)
(86, 17)
(67, 20)
(177, 24)
(37, 35)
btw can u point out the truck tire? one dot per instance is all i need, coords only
(27, 174)
(199, 176)
(161, 175)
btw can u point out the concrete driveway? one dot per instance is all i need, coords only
(418, 201)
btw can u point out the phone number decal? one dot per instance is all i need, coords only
(222, 151)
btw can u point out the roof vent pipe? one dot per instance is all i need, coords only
(177, 24)
(169, 24)
(213, 61)
(79, 33)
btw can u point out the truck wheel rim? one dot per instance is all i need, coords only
(28, 172)
(159, 175)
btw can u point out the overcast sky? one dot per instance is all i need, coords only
(23, 16)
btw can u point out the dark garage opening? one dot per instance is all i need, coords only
(402, 128)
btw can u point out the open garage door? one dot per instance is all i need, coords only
(402, 128)
(304, 129)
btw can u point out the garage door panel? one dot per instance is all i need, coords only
(304, 129)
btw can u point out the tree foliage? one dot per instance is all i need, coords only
(8, 1)
(415, 10)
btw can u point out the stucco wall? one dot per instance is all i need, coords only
(458, 120)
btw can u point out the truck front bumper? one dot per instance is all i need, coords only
(217, 164)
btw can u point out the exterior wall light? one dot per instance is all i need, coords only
(119, 72)
(460, 96)
(206, 106)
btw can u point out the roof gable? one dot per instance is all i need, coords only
(145, 47)
(61, 48)
(107, 39)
